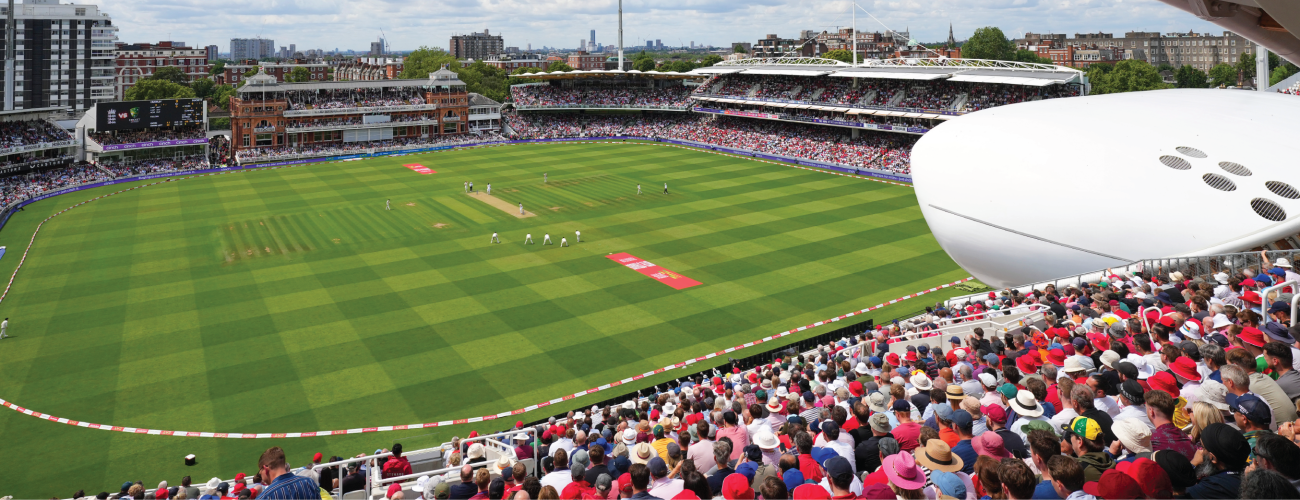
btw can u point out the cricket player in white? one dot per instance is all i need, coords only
(638, 189)
(528, 239)
(489, 190)
(564, 242)
(388, 204)
(495, 239)
(466, 186)
(521, 209)
(543, 177)
(665, 188)
(577, 236)
(4, 325)
(546, 239)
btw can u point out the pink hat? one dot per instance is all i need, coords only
(990, 443)
(901, 469)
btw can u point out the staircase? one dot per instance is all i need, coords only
(816, 94)
(868, 98)
(753, 91)
(960, 101)
(897, 98)
(793, 94)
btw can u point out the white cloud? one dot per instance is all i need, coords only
(409, 24)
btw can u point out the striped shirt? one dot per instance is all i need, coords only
(291, 487)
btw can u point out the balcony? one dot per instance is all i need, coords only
(600, 106)
(357, 126)
(264, 129)
(358, 111)
(450, 119)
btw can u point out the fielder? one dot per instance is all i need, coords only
(388, 204)
(564, 242)
(577, 236)
(638, 190)
(543, 177)
(495, 239)
(489, 192)
(521, 209)
(466, 186)
(528, 239)
(665, 188)
(546, 239)
(4, 325)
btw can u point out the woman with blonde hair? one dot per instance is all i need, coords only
(548, 493)
(1202, 414)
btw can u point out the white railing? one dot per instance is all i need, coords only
(37, 147)
(359, 110)
(432, 121)
(531, 107)
(379, 484)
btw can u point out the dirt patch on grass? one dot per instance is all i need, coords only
(501, 205)
(440, 225)
(410, 204)
(556, 209)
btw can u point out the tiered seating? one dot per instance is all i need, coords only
(147, 135)
(332, 149)
(937, 95)
(21, 187)
(354, 98)
(129, 168)
(30, 132)
(546, 95)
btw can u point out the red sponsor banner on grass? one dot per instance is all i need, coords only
(647, 268)
(420, 168)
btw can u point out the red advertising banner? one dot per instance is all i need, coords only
(423, 170)
(647, 268)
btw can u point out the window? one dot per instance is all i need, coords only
(245, 140)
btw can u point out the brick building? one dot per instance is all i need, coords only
(584, 61)
(476, 46)
(267, 113)
(318, 71)
(510, 64)
(369, 68)
(1202, 51)
(137, 61)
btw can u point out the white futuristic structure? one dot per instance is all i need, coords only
(1053, 188)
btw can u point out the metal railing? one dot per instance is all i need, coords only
(1207, 265)
(767, 100)
(351, 126)
(379, 484)
(37, 147)
(359, 110)
(533, 107)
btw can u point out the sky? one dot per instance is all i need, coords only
(410, 24)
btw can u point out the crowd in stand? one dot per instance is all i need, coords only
(354, 98)
(1139, 386)
(547, 95)
(20, 187)
(881, 151)
(932, 95)
(147, 135)
(28, 132)
(354, 120)
(128, 168)
(1292, 90)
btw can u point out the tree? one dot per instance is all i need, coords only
(1223, 75)
(203, 87)
(839, 55)
(710, 60)
(486, 80)
(1029, 56)
(251, 71)
(1164, 67)
(217, 68)
(221, 96)
(645, 64)
(988, 43)
(739, 49)
(1130, 75)
(150, 89)
(170, 74)
(558, 66)
(297, 75)
(424, 60)
(1281, 72)
(1189, 77)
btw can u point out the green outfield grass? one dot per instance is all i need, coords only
(290, 300)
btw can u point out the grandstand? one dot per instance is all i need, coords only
(603, 90)
(277, 121)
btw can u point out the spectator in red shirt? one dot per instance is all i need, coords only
(811, 470)
(908, 433)
(397, 465)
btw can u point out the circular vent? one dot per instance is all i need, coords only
(1192, 152)
(1175, 162)
(1219, 182)
(1235, 168)
(1268, 210)
(1282, 189)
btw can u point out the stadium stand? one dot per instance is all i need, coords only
(147, 135)
(545, 96)
(218, 150)
(20, 187)
(880, 151)
(1091, 387)
(30, 132)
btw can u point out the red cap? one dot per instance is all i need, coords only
(911, 356)
(393, 488)
(1250, 296)
(892, 358)
(717, 381)
(1114, 484)
(1186, 368)
(994, 413)
(1152, 478)
(810, 492)
(1163, 381)
(1248, 282)
(1056, 357)
(856, 388)
(317, 457)
(472, 434)
(161, 493)
(1252, 335)
(519, 424)
(1167, 321)
(240, 476)
(736, 486)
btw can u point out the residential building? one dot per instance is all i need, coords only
(137, 61)
(251, 48)
(233, 74)
(476, 46)
(775, 46)
(377, 48)
(584, 61)
(369, 69)
(64, 55)
(212, 53)
(1202, 51)
(510, 64)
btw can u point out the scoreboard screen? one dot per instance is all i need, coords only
(128, 115)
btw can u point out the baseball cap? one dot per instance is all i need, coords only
(902, 405)
(962, 419)
(1253, 408)
(1084, 427)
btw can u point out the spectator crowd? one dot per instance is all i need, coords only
(881, 151)
(148, 135)
(28, 132)
(928, 95)
(1139, 386)
(549, 95)
(354, 98)
(339, 148)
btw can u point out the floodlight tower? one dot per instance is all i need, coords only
(620, 32)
